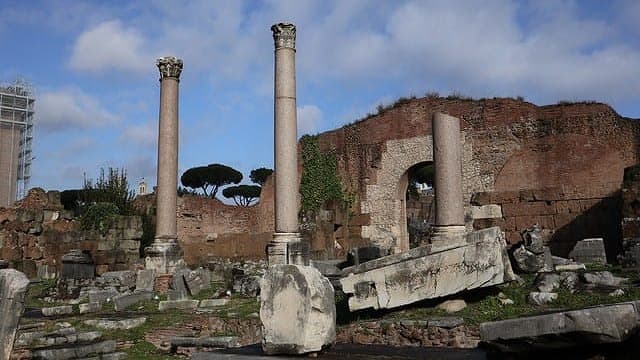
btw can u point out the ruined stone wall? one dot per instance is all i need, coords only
(508, 146)
(209, 228)
(37, 232)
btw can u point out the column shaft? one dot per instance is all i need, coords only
(286, 153)
(447, 158)
(166, 222)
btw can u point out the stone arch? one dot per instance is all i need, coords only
(385, 200)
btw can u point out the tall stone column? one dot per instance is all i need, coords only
(447, 158)
(164, 255)
(286, 246)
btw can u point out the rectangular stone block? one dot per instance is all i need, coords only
(589, 251)
(529, 208)
(102, 296)
(207, 303)
(89, 308)
(491, 211)
(145, 280)
(124, 301)
(57, 310)
(178, 304)
(129, 245)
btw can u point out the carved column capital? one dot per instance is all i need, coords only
(284, 35)
(170, 67)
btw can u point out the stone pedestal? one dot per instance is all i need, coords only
(164, 255)
(288, 248)
(285, 247)
(77, 265)
(447, 160)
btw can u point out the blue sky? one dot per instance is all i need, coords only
(93, 67)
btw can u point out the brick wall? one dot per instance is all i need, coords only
(509, 146)
(209, 228)
(37, 232)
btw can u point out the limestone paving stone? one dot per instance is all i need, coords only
(178, 304)
(122, 324)
(206, 303)
(75, 352)
(57, 310)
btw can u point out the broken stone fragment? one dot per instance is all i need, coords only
(541, 298)
(589, 251)
(596, 325)
(422, 273)
(452, 306)
(13, 286)
(603, 278)
(297, 310)
(531, 262)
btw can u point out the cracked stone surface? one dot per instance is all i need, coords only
(398, 280)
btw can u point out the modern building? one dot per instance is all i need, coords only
(16, 135)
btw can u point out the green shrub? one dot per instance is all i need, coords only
(100, 216)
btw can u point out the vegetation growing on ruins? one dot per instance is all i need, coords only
(320, 181)
(210, 178)
(100, 216)
(111, 186)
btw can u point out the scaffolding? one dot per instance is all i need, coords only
(16, 135)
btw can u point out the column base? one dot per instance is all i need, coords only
(163, 256)
(287, 248)
(447, 236)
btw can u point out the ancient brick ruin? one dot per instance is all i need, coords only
(38, 231)
(559, 165)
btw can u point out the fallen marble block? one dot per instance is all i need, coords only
(604, 324)
(422, 273)
(13, 287)
(297, 309)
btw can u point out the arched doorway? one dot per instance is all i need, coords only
(415, 192)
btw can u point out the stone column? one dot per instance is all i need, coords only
(164, 255)
(447, 158)
(285, 245)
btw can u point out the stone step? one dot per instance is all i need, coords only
(109, 356)
(120, 324)
(39, 339)
(75, 352)
(214, 341)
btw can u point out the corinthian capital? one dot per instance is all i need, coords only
(284, 35)
(170, 67)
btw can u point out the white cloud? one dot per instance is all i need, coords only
(145, 135)
(70, 108)
(309, 119)
(110, 46)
